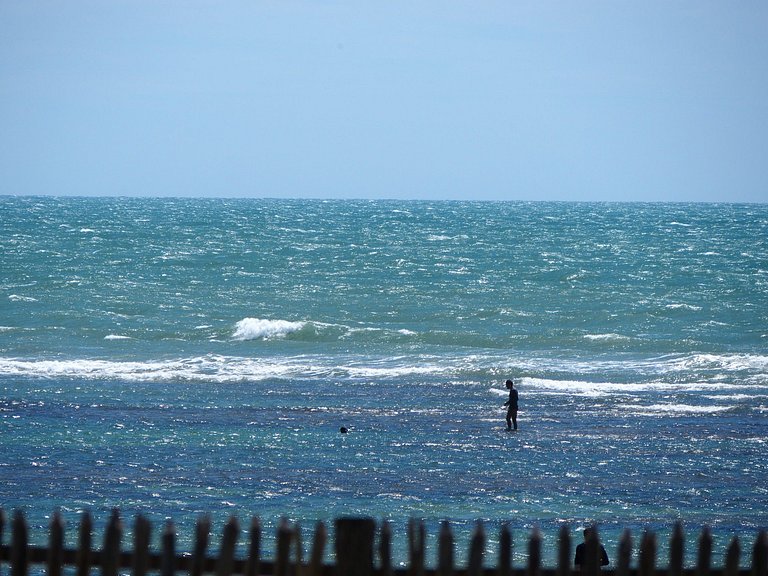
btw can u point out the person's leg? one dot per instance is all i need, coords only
(514, 418)
(509, 420)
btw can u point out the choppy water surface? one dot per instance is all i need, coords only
(181, 357)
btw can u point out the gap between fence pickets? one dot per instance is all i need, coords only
(354, 552)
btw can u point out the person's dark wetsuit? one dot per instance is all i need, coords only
(511, 405)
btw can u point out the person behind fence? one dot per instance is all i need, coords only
(581, 550)
(511, 405)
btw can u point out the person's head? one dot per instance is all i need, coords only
(588, 531)
(510, 384)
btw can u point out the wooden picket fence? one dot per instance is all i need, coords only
(360, 549)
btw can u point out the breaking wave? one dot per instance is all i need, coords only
(259, 328)
(542, 375)
(222, 369)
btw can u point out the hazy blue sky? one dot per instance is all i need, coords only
(517, 100)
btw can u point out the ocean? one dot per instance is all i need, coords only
(181, 357)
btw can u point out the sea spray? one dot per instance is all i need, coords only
(255, 328)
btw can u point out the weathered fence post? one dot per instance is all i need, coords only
(202, 533)
(84, 545)
(385, 548)
(298, 555)
(141, 538)
(647, 565)
(226, 561)
(624, 554)
(318, 549)
(445, 550)
(760, 554)
(416, 540)
(110, 555)
(283, 548)
(591, 559)
(254, 548)
(534, 553)
(19, 545)
(168, 559)
(676, 550)
(354, 546)
(564, 551)
(2, 527)
(505, 551)
(732, 558)
(56, 545)
(705, 553)
(476, 548)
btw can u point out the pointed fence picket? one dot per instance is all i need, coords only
(355, 552)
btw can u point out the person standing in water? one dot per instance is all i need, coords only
(511, 405)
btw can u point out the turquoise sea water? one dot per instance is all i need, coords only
(179, 357)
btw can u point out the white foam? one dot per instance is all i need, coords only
(375, 372)
(653, 409)
(605, 337)
(221, 369)
(256, 328)
(17, 298)
(659, 367)
(203, 370)
(721, 362)
(584, 388)
(116, 337)
(734, 397)
(683, 307)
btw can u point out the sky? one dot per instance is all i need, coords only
(482, 100)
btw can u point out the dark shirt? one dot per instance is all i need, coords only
(581, 549)
(512, 402)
